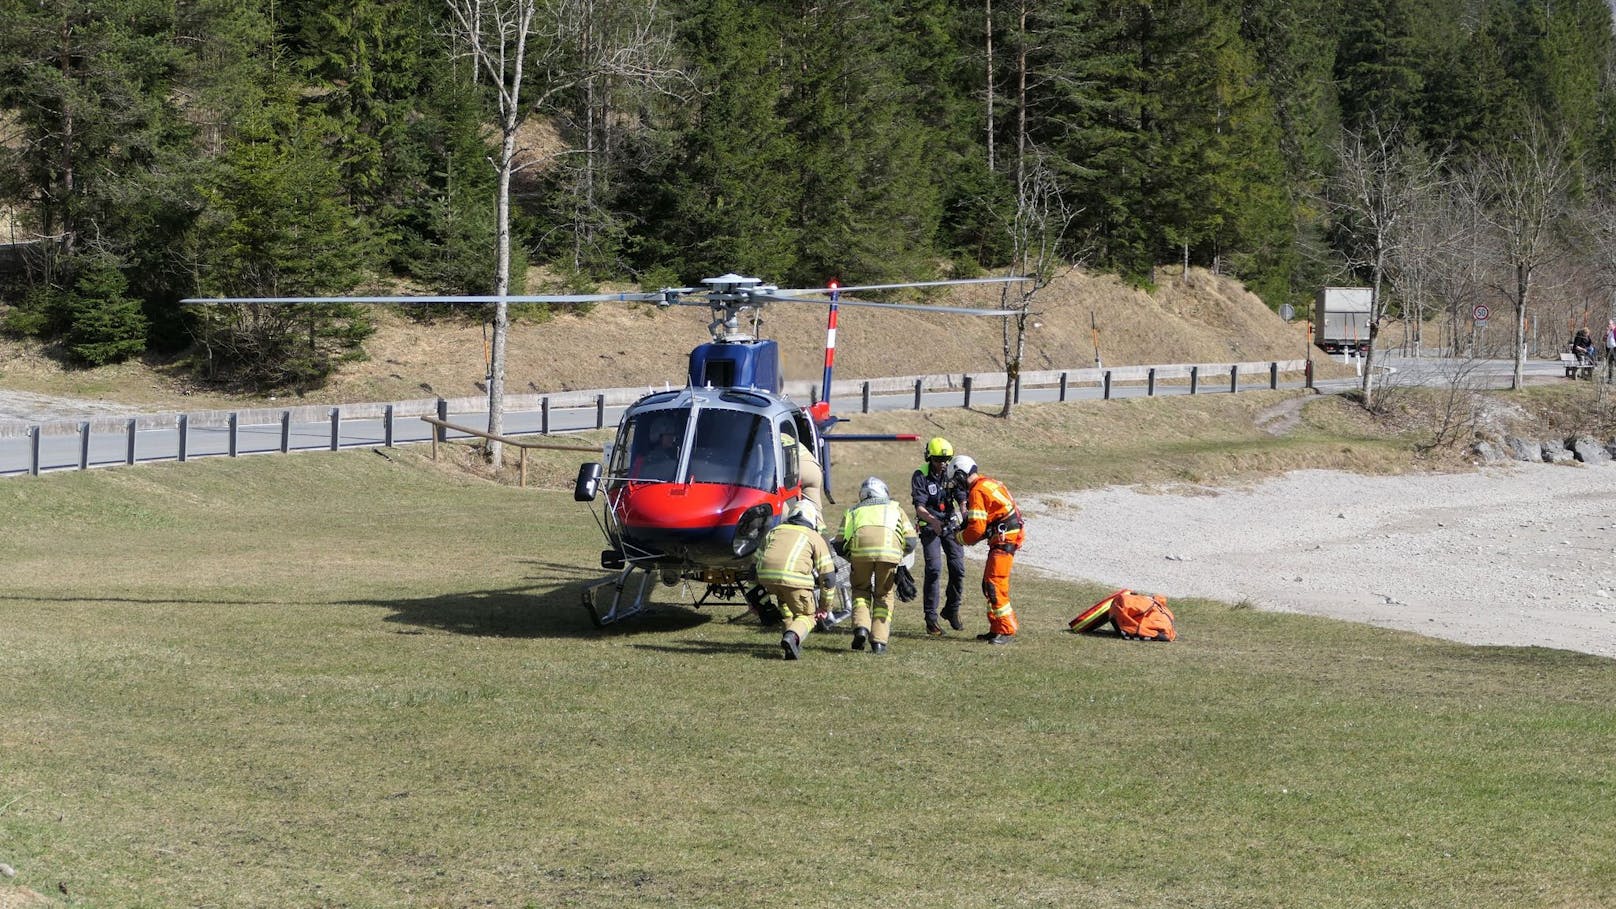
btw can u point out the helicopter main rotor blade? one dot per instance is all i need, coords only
(916, 307)
(435, 298)
(863, 287)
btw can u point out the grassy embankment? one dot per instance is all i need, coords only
(348, 680)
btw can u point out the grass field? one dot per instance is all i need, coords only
(350, 680)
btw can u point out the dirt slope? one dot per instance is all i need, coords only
(1210, 319)
(1207, 318)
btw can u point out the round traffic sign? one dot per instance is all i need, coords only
(1481, 312)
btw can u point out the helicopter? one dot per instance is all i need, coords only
(695, 477)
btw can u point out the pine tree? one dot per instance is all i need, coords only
(733, 190)
(1377, 65)
(277, 224)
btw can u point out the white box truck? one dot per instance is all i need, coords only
(1341, 319)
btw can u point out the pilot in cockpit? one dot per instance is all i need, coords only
(661, 458)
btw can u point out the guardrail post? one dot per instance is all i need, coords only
(1150, 382)
(919, 386)
(336, 428)
(439, 434)
(1195, 379)
(129, 458)
(1273, 376)
(1015, 389)
(1107, 383)
(967, 383)
(235, 425)
(286, 431)
(387, 426)
(544, 415)
(184, 426)
(1063, 387)
(1234, 377)
(521, 466)
(84, 445)
(33, 445)
(866, 398)
(600, 411)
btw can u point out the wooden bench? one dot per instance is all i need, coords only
(1575, 368)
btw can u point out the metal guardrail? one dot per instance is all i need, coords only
(521, 445)
(32, 448)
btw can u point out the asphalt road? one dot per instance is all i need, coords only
(69, 443)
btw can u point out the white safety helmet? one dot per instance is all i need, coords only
(804, 512)
(873, 488)
(960, 469)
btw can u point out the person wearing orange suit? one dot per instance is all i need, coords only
(991, 515)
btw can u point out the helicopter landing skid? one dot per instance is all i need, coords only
(617, 598)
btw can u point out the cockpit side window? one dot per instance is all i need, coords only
(790, 472)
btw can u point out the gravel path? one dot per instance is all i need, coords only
(1524, 555)
(28, 407)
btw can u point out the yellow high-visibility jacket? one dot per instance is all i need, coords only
(878, 531)
(795, 557)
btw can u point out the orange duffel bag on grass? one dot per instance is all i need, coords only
(1134, 615)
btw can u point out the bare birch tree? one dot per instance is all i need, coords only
(1379, 179)
(505, 41)
(1524, 187)
(1036, 230)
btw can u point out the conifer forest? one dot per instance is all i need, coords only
(1447, 152)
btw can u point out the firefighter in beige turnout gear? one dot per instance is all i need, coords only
(876, 536)
(793, 561)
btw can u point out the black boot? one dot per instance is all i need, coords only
(860, 636)
(792, 645)
(878, 647)
(951, 616)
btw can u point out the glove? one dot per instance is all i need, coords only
(906, 584)
(954, 523)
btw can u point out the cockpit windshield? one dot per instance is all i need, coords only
(734, 447)
(649, 446)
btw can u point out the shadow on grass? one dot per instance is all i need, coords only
(527, 612)
(144, 601)
(760, 650)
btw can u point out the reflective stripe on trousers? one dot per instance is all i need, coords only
(996, 589)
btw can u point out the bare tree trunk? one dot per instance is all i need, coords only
(1523, 285)
(988, 27)
(1021, 96)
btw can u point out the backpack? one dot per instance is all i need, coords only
(1134, 615)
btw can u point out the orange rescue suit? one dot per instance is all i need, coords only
(991, 514)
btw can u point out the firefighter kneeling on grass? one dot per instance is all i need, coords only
(991, 515)
(793, 561)
(876, 536)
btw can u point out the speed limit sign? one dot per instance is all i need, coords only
(1481, 312)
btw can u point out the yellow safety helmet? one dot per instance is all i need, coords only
(938, 447)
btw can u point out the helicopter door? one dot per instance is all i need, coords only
(805, 433)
